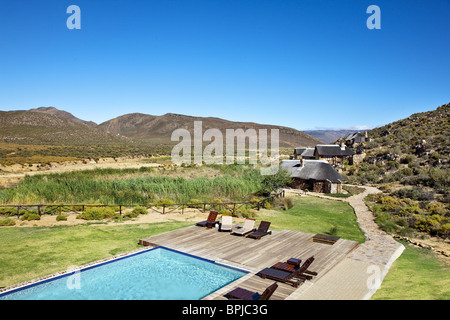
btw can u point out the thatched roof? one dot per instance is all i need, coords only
(312, 170)
(332, 150)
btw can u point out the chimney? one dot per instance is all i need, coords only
(342, 146)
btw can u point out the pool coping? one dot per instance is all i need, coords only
(40, 280)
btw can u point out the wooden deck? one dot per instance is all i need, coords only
(254, 255)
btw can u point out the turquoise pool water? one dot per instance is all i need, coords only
(156, 274)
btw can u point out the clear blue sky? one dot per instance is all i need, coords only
(299, 63)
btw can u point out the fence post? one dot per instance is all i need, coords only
(164, 209)
(120, 209)
(204, 207)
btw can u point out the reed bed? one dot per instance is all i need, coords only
(100, 186)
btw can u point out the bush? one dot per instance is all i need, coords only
(434, 224)
(389, 203)
(406, 172)
(99, 213)
(164, 202)
(386, 222)
(131, 214)
(61, 217)
(444, 230)
(274, 182)
(283, 203)
(8, 211)
(413, 194)
(407, 159)
(7, 222)
(245, 211)
(288, 203)
(140, 210)
(436, 208)
(409, 209)
(254, 202)
(195, 203)
(136, 212)
(29, 216)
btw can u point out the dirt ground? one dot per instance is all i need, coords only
(152, 217)
(193, 215)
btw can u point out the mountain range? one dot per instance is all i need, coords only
(330, 135)
(49, 125)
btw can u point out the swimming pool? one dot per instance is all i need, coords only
(155, 274)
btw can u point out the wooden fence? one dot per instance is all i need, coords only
(41, 209)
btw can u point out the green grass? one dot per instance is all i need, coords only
(416, 275)
(28, 253)
(315, 215)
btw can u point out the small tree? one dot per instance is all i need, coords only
(273, 183)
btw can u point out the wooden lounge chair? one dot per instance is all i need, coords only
(210, 222)
(304, 273)
(227, 223)
(244, 294)
(288, 277)
(281, 276)
(246, 228)
(263, 230)
(326, 239)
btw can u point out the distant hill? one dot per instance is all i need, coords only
(138, 126)
(130, 132)
(329, 136)
(33, 127)
(62, 114)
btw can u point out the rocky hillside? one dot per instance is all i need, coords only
(409, 160)
(424, 137)
(406, 151)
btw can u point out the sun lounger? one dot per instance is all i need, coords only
(302, 272)
(263, 230)
(326, 239)
(244, 294)
(210, 222)
(246, 228)
(285, 267)
(281, 276)
(227, 223)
